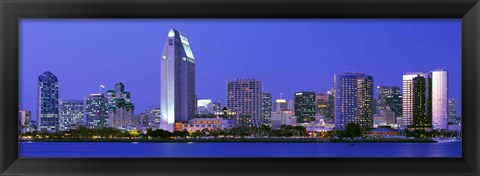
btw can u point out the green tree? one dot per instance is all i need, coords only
(266, 130)
(353, 130)
(181, 134)
(300, 131)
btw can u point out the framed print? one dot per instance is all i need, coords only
(239, 87)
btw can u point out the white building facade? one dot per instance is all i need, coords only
(439, 99)
(177, 81)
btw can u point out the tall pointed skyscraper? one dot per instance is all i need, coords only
(177, 81)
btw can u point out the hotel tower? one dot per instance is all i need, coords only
(425, 100)
(353, 100)
(177, 81)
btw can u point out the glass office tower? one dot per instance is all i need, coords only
(48, 116)
(96, 111)
(439, 99)
(305, 106)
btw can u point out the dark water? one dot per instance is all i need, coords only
(144, 150)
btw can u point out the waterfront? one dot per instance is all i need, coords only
(228, 150)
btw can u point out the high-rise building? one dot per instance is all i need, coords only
(281, 105)
(148, 119)
(416, 106)
(322, 104)
(425, 100)
(71, 114)
(452, 111)
(154, 117)
(205, 107)
(267, 107)
(177, 81)
(353, 100)
(96, 111)
(305, 106)
(330, 113)
(389, 98)
(439, 99)
(48, 117)
(141, 120)
(244, 97)
(25, 118)
(120, 108)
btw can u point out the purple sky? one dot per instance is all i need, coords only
(287, 55)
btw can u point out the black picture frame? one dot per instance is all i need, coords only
(13, 10)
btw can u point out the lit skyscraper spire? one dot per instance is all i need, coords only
(177, 81)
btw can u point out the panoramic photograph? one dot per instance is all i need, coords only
(233, 88)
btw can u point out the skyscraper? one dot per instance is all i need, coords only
(389, 98)
(305, 106)
(141, 120)
(71, 114)
(439, 99)
(322, 104)
(425, 100)
(244, 97)
(417, 107)
(154, 117)
(452, 111)
(120, 108)
(96, 111)
(281, 104)
(353, 100)
(48, 117)
(330, 114)
(177, 81)
(25, 118)
(267, 106)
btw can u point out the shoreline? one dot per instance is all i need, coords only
(240, 140)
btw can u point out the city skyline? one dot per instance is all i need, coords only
(322, 85)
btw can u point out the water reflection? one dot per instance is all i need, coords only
(372, 150)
